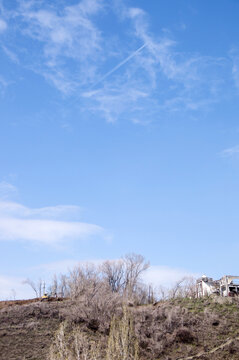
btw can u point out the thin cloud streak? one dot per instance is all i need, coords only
(11, 55)
(72, 52)
(14, 209)
(159, 81)
(120, 64)
(3, 25)
(234, 54)
(230, 152)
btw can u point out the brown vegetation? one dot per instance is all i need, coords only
(108, 314)
(173, 329)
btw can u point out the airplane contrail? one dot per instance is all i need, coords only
(120, 64)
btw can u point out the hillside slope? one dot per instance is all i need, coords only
(169, 330)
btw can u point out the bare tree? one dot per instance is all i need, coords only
(162, 292)
(135, 265)
(82, 278)
(40, 286)
(186, 287)
(54, 286)
(62, 288)
(124, 275)
(13, 294)
(32, 285)
(175, 291)
(113, 272)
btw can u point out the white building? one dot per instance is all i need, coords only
(206, 286)
(228, 285)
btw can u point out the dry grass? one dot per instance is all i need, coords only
(173, 329)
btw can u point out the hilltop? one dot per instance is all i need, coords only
(182, 328)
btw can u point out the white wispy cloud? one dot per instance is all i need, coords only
(134, 74)
(12, 287)
(46, 225)
(3, 25)
(166, 276)
(3, 84)
(65, 34)
(62, 267)
(122, 101)
(157, 80)
(45, 231)
(234, 54)
(7, 190)
(187, 73)
(11, 55)
(9, 208)
(55, 267)
(230, 151)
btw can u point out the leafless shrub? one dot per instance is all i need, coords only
(85, 348)
(83, 279)
(74, 345)
(185, 287)
(122, 343)
(122, 277)
(97, 313)
(59, 349)
(184, 335)
(173, 318)
(54, 288)
(119, 276)
(210, 318)
(162, 292)
(78, 345)
(102, 305)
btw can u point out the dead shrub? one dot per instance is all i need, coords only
(173, 318)
(122, 342)
(184, 335)
(75, 345)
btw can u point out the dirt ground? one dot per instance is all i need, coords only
(27, 328)
(180, 329)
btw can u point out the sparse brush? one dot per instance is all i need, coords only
(59, 349)
(74, 346)
(85, 348)
(122, 343)
(77, 345)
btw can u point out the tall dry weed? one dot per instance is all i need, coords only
(78, 345)
(122, 343)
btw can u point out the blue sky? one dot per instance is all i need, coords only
(118, 133)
